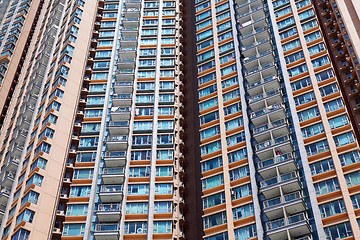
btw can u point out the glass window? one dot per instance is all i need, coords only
(305, 98)
(137, 208)
(353, 178)
(210, 148)
(243, 211)
(162, 227)
(163, 207)
(214, 220)
(237, 155)
(214, 200)
(324, 75)
(344, 139)
(329, 89)
(212, 182)
(301, 84)
(240, 192)
(322, 166)
(332, 208)
(317, 148)
(333, 105)
(77, 210)
(74, 229)
(308, 114)
(339, 231)
(327, 186)
(239, 173)
(245, 232)
(135, 227)
(312, 130)
(349, 158)
(27, 215)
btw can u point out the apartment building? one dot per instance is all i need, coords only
(161, 119)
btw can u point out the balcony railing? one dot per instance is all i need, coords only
(269, 109)
(111, 188)
(278, 179)
(269, 126)
(109, 207)
(113, 171)
(277, 159)
(270, 143)
(264, 95)
(285, 221)
(106, 227)
(282, 199)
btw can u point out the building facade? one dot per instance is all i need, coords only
(161, 119)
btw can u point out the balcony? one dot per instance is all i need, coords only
(117, 143)
(120, 113)
(8, 180)
(132, 13)
(297, 225)
(278, 127)
(289, 182)
(284, 163)
(119, 128)
(277, 111)
(17, 150)
(113, 175)
(131, 22)
(126, 63)
(132, 4)
(127, 53)
(109, 212)
(4, 195)
(125, 75)
(121, 100)
(292, 203)
(111, 193)
(106, 232)
(282, 143)
(24, 123)
(115, 159)
(28, 110)
(128, 42)
(123, 87)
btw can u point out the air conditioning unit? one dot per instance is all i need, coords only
(139, 230)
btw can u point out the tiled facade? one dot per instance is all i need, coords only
(94, 123)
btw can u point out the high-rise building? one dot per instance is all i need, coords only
(161, 119)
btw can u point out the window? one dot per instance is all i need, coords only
(283, 12)
(54, 105)
(230, 125)
(280, 3)
(356, 201)
(308, 114)
(349, 158)
(140, 155)
(207, 78)
(317, 48)
(83, 174)
(214, 220)
(240, 192)
(302, 4)
(339, 231)
(312, 130)
(297, 70)
(327, 186)
(162, 227)
(142, 125)
(203, 15)
(305, 98)
(210, 132)
(245, 232)
(138, 189)
(231, 95)
(235, 139)
(80, 191)
(329, 89)
(164, 154)
(306, 14)
(208, 104)
(35, 179)
(205, 44)
(22, 234)
(212, 182)
(210, 148)
(27, 215)
(139, 172)
(322, 166)
(74, 229)
(309, 25)
(213, 200)
(344, 139)
(237, 155)
(44, 147)
(163, 207)
(232, 109)
(294, 57)
(243, 211)
(320, 62)
(317, 148)
(77, 210)
(163, 188)
(313, 36)
(164, 171)
(239, 173)
(288, 33)
(137, 208)
(206, 91)
(286, 23)
(353, 178)
(324, 75)
(89, 142)
(301, 84)
(203, 24)
(291, 45)
(209, 117)
(47, 133)
(333, 105)
(31, 196)
(332, 208)
(135, 227)
(221, 236)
